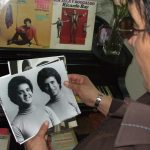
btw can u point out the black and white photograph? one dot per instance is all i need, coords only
(34, 96)
(18, 66)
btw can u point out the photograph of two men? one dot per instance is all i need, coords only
(34, 94)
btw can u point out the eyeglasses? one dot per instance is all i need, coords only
(126, 28)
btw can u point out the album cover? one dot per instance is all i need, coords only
(72, 24)
(25, 23)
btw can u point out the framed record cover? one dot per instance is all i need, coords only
(46, 24)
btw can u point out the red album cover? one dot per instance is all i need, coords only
(72, 24)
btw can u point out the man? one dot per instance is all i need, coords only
(74, 18)
(127, 124)
(85, 26)
(59, 24)
(26, 32)
(49, 81)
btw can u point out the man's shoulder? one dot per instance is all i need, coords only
(135, 123)
(103, 137)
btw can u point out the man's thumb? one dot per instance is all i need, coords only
(70, 85)
(43, 130)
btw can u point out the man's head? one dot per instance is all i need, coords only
(27, 22)
(140, 41)
(20, 91)
(49, 81)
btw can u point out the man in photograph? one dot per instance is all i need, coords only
(59, 24)
(49, 81)
(27, 121)
(24, 34)
(74, 19)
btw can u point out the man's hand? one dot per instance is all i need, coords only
(82, 87)
(87, 92)
(40, 141)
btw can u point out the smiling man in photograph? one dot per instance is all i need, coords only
(27, 121)
(49, 81)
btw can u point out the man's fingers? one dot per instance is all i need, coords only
(67, 84)
(73, 78)
(43, 129)
(74, 81)
(72, 86)
(76, 78)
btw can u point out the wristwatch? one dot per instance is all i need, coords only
(98, 100)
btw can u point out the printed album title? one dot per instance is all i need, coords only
(76, 4)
